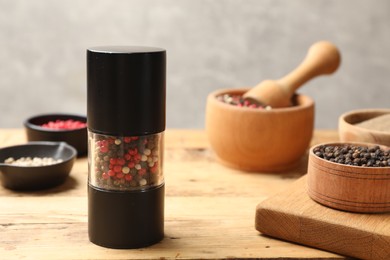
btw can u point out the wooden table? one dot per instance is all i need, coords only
(209, 211)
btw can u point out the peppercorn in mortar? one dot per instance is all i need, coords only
(238, 100)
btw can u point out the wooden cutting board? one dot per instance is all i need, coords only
(291, 215)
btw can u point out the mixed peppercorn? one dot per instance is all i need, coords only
(354, 155)
(238, 100)
(123, 163)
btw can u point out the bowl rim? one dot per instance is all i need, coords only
(311, 154)
(212, 97)
(43, 144)
(364, 111)
(29, 124)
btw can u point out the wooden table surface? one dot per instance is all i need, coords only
(209, 210)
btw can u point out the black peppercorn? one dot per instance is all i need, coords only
(354, 155)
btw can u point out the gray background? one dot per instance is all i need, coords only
(211, 44)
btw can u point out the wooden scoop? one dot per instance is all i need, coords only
(322, 58)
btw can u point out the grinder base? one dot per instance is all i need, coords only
(125, 219)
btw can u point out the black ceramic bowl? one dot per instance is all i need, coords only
(78, 138)
(36, 177)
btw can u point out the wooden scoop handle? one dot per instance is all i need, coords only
(322, 58)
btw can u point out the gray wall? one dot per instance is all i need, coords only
(211, 44)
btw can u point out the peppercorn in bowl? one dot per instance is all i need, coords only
(71, 129)
(351, 176)
(36, 165)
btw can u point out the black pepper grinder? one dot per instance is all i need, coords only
(126, 124)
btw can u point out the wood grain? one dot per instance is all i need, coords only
(291, 215)
(209, 213)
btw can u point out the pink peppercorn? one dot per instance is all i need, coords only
(113, 161)
(105, 175)
(117, 168)
(69, 124)
(121, 161)
(104, 149)
(133, 151)
(142, 171)
(153, 169)
(131, 164)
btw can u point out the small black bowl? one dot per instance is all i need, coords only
(78, 138)
(36, 177)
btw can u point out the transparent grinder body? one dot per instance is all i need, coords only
(126, 163)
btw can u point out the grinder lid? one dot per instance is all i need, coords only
(126, 90)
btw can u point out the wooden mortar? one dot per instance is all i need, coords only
(259, 140)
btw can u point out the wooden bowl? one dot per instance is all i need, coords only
(346, 187)
(259, 140)
(351, 131)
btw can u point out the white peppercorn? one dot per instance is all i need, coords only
(35, 161)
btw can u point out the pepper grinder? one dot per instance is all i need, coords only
(126, 94)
